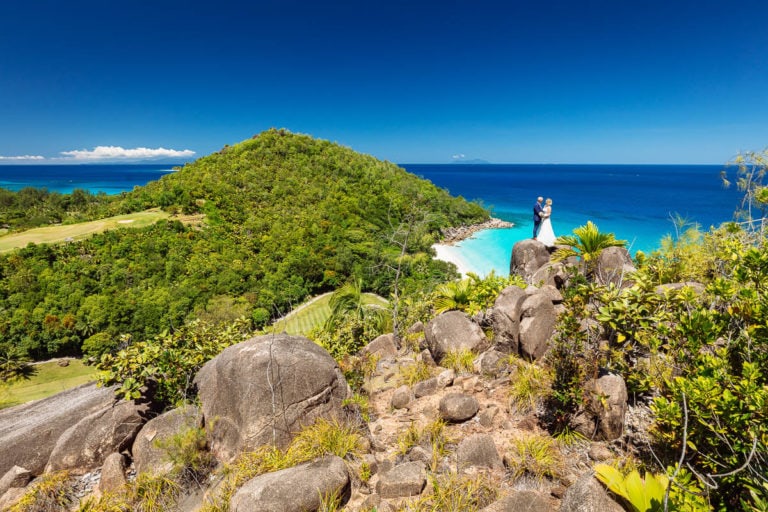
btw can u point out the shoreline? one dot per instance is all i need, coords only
(454, 235)
(449, 248)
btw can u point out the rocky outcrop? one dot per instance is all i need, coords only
(537, 325)
(262, 391)
(505, 318)
(459, 233)
(587, 495)
(383, 346)
(528, 256)
(147, 455)
(453, 331)
(551, 273)
(614, 264)
(113, 473)
(28, 432)
(295, 489)
(609, 405)
(86, 444)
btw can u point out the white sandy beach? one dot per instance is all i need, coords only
(452, 254)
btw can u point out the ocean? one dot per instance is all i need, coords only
(635, 202)
(107, 178)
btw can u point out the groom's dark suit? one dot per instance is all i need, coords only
(537, 210)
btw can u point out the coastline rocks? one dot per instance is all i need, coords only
(459, 233)
(263, 390)
(453, 331)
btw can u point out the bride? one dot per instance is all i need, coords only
(546, 234)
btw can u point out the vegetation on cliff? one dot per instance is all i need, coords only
(285, 216)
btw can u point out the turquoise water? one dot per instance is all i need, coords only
(635, 202)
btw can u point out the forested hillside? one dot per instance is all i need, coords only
(285, 216)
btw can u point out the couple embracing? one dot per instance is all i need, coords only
(542, 225)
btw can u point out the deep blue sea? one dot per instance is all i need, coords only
(111, 179)
(635, 202)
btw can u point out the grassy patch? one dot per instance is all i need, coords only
(48, 379)
(64, 232)
(313, 313)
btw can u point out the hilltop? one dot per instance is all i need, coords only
(285, 216)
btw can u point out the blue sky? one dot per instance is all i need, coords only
(607, 81)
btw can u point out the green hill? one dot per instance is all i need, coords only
(286, 216)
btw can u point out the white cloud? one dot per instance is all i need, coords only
(22, 158)
(459, 156)
(119, 153)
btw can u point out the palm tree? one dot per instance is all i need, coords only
(13, 364)
(587, 242)
(453, 295)
(348, 301)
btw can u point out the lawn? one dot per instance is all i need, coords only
(314, 312)
(48, 379)
(65, 232)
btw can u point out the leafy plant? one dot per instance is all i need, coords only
(170, 360)
(586, 243)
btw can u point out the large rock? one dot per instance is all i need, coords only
(537, 325)
(614, 264)
(505, 318)
(609, 404)
(402, 481)
(263, 390)
(587, 495)
(478, 450)
(28, 432)
(383, 346)
(297, 489)
(552, 273)
(457, 407)
(453, 331)
(86, 444)
(147, 455)
(113, 474)
(528, 256)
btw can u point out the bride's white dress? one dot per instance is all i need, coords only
(546, 233)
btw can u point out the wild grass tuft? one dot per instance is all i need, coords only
(322, 438)
(412, 373)
(51, 493)
(456, 493)
(460, 361)
(529, 384)
(433, 435)
(188, 451)
(361, 404)
(535, 455)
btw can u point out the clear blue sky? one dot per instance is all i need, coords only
(606, 81)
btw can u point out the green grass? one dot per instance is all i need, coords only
(61, 233)
(49, 379)
(313, 313)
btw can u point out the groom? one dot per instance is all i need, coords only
(537, 211)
